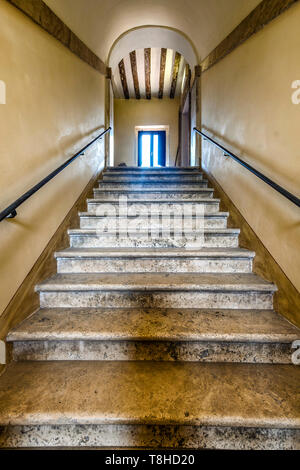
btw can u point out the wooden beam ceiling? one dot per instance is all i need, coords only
(135, 75)
(163, 56)
(175, 74)
(123, 79)
(147, 55)
(148, 73)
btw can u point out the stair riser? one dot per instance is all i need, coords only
(148, 178)
(149, 436)
(164, 169)
(150, 186)
(157, 299)
(122, 350)
(142, 265)
(152, 174)
(149, 196)
(104, 240)
(153, 171)
(109, 195)
(159, 207)
(97, 223)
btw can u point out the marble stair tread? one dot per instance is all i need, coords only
(150, 181)
(160, 169)
(159, 176)
(154, 252)
(159, 173)
(153, 179)
(214, 215)
(205, 230)
(113, 392)
(160, 201)
(166, 190)
(150, 190)
(155, 325)
(153, 186)
(156, 281)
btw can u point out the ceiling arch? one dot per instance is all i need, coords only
(153, 37)
(98, 23)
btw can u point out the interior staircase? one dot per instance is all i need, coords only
(151, 340)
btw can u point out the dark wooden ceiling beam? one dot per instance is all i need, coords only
(123, 79)
(147, 55)
(135, 75)
(175, 74)
(163, 56)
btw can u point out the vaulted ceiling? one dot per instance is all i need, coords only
(150, 72)
(99, 23)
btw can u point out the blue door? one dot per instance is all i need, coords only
(152, 148)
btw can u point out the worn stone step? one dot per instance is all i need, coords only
(152, 187)
(216, 220)
(96, 260)
(154, 334)
(199, 182)
(150, 170)
(139, 436)
(151, 194)
(154, 238)
(156, 178)
(178, 207)
(152, 290)
(240, 402)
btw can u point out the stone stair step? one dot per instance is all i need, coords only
(80, 260)
(142, 178)
(131, 436)
(163, 206)
(169, 324)
(153, 186)
(139, 170)
(153, 174)
(154, 238)
(151, 194)
(164, 290)
(250, 336)
(151, 393)
(94, 221)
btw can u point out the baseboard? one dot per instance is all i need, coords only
(287, 298)
(26, 300)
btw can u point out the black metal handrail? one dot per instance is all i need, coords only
(10, 212)
(257, 173)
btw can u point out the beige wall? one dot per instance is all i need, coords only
(55, 102)
(131, 113)
(246, 101)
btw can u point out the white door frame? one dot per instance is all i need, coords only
(152, 128)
